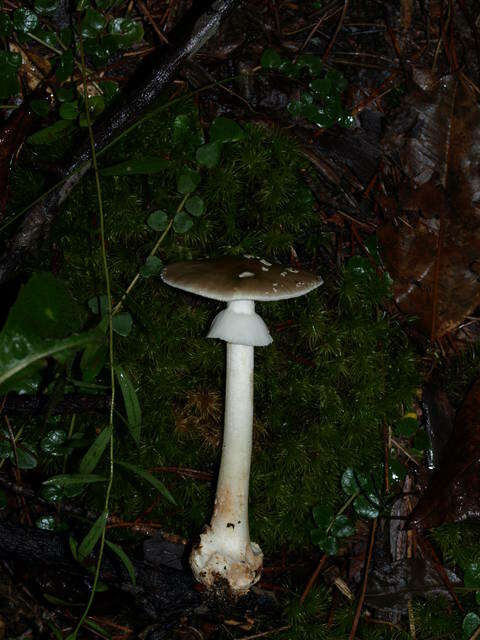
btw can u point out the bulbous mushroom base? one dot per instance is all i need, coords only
(216, 562)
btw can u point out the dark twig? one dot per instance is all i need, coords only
(358, 611)
(337, 30)
(69, 404)
(313, 577)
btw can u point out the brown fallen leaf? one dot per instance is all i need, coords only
(431, 247)
(453, 493)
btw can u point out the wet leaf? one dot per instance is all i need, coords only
(470, 624)
(132, 405)
(208, 155)
(145, 475)
(65, 66)
(93, 455)
(6, 25)
(68, 480)
(367, 505)
(24, 20)
(54, 442)
(136, 166)
(342, 527)
(93, 23)
(226, 130)
(471, 578)
(432, 251)
(126, 31)
(323, 516)
(188, 181)
(124, 558)
(122, 323)
(9, 65)
(92, 537)
(98, 304)
(158, 220)
(152, 267)
(45, 7)
(271, 59)
(51, 133)
(182, 222)
(69, 110)
(195, 206)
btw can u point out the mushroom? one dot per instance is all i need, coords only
(225, 553)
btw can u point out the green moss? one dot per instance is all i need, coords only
(338, 367)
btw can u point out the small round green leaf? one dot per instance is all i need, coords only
(342, 527)
(126, 31)
(226, 130)
(65, 94)
(406, 427)
(188, 181)
(68, 110)
(93, 23)
(328, 544)
(367, 506)
(195, 206)
(158, 220)
(53, 443)
(471, 576)
(45, 7)
(182, 222)
(152, 267)
(470, 624)
(24, 20)
(5, 25)
(98, 304)
(65, 66)
(271, 59)
(208, 155)
(352, 482)
(323, 516)
(40, 107)
(122, 323)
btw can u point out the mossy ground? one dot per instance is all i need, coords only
(339, 368)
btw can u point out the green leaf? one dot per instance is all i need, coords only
(69, 110)
(54, 442)
(9, 64)
(93, 360)
(146, 165)
(367, 506)
(96, 105)
(73, 544)
(271, 59)
(342, 527)
(124, 558)
(208, 155)
(158, 220)
(93, 23)
(195, 206)
(327, 544)
(42, 314)
(122, 323)
(40, 107)
(93, 455)
(65, 66)
(132, 405)
(152, 267)
(45, 7)
(188, 181)
(126, 31)
(26, 459)
(471, 576)
(396, 471)
(470, 624)
(312, 62)
(24, 20)
(46, 523)
(353, 482)
(98, 304)
(323, 516)
(145, 475)
(226, 130)
(5, 25)
(406, 427)
(92, 537)
(182, 222)
(49, 134)
(421, 442)
(73, 479)
(110, 90)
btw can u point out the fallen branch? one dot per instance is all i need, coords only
(358, 611)
(124, 116)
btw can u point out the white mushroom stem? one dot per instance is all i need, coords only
(225, 551)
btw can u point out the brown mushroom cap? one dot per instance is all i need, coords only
(247, 278)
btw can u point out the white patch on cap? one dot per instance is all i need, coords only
(266, 262)
(292, 270)
(265, 269)
(246, 274)
(283, 274)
